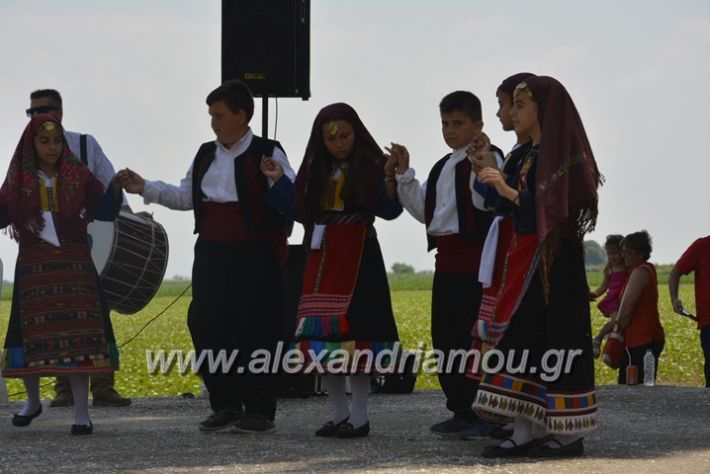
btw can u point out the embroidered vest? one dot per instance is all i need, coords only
(473, 223)
(251, 184)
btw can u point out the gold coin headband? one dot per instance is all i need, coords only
(49, 126)
(333, 127)
(523, 87)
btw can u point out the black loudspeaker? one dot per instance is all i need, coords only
(266, 44)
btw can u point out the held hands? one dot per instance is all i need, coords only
(397, 159)
(271, 168)
(479, 153)
(130, 181)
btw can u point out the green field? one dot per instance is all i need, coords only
(681, 362)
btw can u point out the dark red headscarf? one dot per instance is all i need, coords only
(308, 186)
(567, 176)
(20, 191)
(508, 85)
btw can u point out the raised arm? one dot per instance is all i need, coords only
(601, 289)
(411, 194)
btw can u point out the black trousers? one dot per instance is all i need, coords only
(456, 298)
(237, 304)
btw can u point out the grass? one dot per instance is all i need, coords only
(681, 362)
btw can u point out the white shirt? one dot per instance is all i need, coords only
(445, 220)
(96, 161)
(218, 184)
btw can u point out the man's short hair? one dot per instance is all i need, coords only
(236, 95)
(54, 96)
(464, 102)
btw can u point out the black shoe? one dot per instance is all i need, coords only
(575, 448)
(25, 420)
(498, 432)
(253, 423)
(499, 451)
(476, 430)
(346, 430)
(82, 429)
(451, 428)
(329, 429)
(221, 420)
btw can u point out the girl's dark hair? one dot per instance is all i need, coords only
(613, 240)
(640, 242)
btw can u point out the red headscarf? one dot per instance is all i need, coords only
(20, 191)
(308, 186)
(567, 176)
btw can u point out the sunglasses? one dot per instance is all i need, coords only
(45, 109)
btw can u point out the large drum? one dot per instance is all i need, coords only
(130, 256)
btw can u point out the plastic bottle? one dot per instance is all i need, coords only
(649, 369)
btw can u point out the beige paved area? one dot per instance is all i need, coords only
(659, 429)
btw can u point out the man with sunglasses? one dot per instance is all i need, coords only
(90, 152)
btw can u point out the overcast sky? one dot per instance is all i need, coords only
(135, 75)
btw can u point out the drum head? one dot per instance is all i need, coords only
(101, 235)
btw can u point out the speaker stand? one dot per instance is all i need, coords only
(264, 117)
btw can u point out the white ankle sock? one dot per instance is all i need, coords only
(80, 388)
(335, 385)
(33, 402)
(360, 386)
(522, 432)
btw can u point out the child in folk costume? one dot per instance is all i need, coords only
(59, 324)
(502, 227)
(542, 300)
(237, 290)
(345, 308)
(450, 203)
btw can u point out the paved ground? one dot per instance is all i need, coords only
(660, 429)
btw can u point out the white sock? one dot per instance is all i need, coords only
(80, 388)
(522, 432)
(33, 402)
(335, 385)
(360, 386)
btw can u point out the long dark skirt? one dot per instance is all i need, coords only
(556, 389)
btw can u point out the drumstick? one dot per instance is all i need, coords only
(687, 315)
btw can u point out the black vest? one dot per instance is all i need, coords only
(473, 223)
(252, 185)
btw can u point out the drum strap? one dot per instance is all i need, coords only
(82, 145)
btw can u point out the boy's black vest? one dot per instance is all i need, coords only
(473, 223)
(252, 185)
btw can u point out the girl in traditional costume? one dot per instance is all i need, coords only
(345, 312)
(542, 298)
(59, 325)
